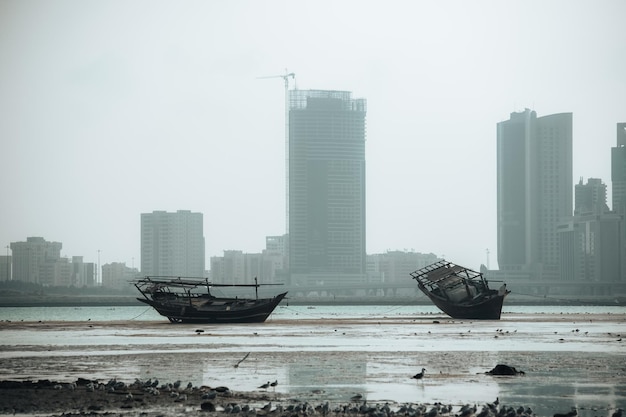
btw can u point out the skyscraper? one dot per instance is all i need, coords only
(326, 190)
(534, 174)
(618, 181)
(172, 244)
(618, 170)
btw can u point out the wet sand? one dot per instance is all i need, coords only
(568, 360)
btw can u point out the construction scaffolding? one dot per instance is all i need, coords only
(299, 99)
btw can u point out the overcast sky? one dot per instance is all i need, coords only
(109, 109)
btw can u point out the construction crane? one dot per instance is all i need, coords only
(285, 77)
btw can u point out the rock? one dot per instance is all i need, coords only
(207, 406)
(504, 370)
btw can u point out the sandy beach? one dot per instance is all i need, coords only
(568, 361)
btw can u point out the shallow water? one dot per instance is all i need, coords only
(571, 358)
(145, 313)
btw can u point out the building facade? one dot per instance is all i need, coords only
(326, 187)
(618, 181)
(534, 192)
(395, 267)
(34, 260)
(590, 198)
(230, 268)
(5, 268)
(118, 275)
(590, 239)
(275, 259)
(172, 244)
(83, 273)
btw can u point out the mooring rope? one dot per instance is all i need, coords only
(142, 313)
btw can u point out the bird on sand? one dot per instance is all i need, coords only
(266, 408)
(265, 386)
(356, 397)
(419, 375)
(273, 384)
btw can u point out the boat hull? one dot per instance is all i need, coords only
(489, 308)
(250, 312)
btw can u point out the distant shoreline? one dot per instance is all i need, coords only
(116, 301)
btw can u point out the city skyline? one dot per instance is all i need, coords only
(105, 115)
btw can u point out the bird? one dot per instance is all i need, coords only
(265, 386)
(266, 408)
(467, 410)
(209, 395)
(273, 384)
(356, 397)
(419, 375)
(433, 412)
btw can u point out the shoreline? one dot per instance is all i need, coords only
(119, 301)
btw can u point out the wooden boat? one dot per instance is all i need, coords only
(460, 292)
(187, 300)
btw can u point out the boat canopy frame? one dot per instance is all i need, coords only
(443, 275)
(151, 284)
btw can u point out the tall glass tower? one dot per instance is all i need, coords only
(618, 170)
(618, 179)
(172, 244)
(534, 173)
(326, 189)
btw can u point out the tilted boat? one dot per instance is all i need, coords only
(460, 292)
(187, 300)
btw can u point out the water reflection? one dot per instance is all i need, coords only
(552, 382)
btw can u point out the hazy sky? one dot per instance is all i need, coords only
(109, 109)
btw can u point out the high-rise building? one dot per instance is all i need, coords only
(590, 240)
(172, 244)
(618, 181)
(326, 188)
(5, 268)
(590, 198)
(618, 170)
(534, 174)
(35, 260)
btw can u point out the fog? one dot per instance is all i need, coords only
(112, 109)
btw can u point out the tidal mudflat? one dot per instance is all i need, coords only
(569, 360)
